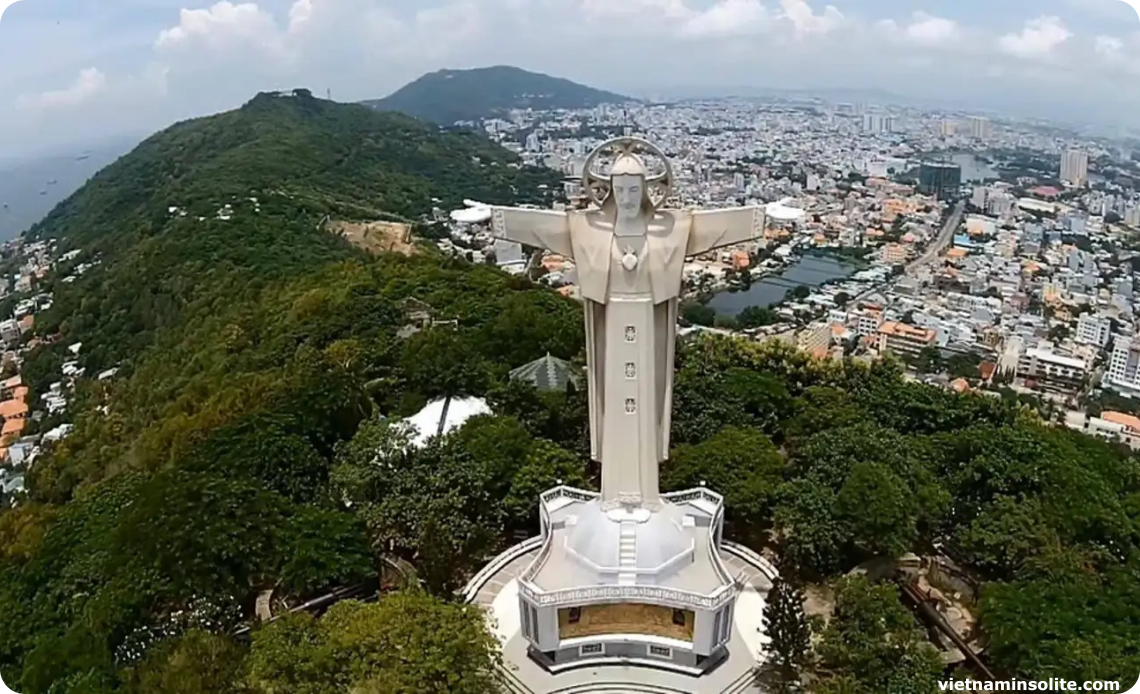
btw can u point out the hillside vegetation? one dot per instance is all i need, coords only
(301, 159)
(251, 343)
(246, 445)
(448, 96)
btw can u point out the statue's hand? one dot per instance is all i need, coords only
(473, 213)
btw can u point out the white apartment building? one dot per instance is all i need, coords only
(878, 123)
(1052, 372)
(1075, 167)
(1132, 215)
(1124, 367)
(867, 322)
(1093, 330)
(10, 331)
(980, 128)
(978, 199)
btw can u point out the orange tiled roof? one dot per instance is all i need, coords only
(20, 393)
(1126, 420)
(905, 330)
(13, 426)
(14, 381)
(13, 408)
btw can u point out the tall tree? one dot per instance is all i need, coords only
(874, 639)
(789, 652)
(409, 643)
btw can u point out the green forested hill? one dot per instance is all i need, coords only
(448, 96)
(301, 158)
(251, 344)
(183, 294)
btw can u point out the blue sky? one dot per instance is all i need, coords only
(73, 72)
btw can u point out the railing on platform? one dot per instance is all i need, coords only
(472, 588)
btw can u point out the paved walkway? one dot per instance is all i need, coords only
(500, 596)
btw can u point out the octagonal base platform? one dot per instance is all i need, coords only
(496, 590)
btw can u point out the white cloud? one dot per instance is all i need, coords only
(670, 9)
(90, 82)
(223, 26)
(1108, 45)
(1039, 37)
(930, 30)
(924, 30)
(806, 21)
(727, 18)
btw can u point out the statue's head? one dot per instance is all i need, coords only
(628, 190)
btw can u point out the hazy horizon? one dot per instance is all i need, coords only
(84, 71)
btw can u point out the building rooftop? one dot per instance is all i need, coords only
(547, 373)
(671, 548)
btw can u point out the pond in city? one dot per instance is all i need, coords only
(974, 169)
(810, 270)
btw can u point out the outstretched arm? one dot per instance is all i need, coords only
(545, 229)
(718, 228)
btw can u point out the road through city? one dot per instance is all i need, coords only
(944, 237)
(932, 249)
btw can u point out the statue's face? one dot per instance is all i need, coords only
(628, 191)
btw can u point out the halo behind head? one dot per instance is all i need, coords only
(628, 165)
(627, 160)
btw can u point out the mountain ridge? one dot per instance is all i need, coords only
(448, 96)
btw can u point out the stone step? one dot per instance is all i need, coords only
(627, 553)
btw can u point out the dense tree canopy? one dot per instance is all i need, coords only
(407, 644)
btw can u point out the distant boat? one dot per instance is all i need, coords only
(52, 182)
(43, 192)
(81, 157)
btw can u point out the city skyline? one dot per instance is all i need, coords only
(77, 73)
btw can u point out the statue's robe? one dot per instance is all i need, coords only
(588, 238)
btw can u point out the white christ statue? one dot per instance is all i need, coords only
(630, 258)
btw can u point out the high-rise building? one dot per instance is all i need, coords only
(940, 179)
(978, 199)
(979, 128)
(1075, 167)
(532, 143)
(1124, 366)
(1132, 215)
(1093, 330)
